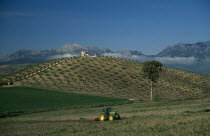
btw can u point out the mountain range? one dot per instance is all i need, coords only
(193, 57)
(34, 56)
(199, 50)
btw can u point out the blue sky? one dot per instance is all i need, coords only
(145, 25)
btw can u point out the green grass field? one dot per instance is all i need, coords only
(23, 99)
(175, 118)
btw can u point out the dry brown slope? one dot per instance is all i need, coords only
(113, 77)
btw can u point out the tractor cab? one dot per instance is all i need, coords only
(107, 110)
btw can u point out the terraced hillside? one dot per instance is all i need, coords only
(8, 69)
(111, 77)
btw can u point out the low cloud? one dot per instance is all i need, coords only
(132, 57)
(177, 60)
(164, 60)
(68, 55)
(207, 60)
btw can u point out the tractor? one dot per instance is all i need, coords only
(108, 114)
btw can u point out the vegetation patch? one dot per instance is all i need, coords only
(19, 100)
(9, 69)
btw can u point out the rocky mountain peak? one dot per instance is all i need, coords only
(130, 52)
(70, 48)
(198, 50)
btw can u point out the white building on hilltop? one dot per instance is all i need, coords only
(85, 54)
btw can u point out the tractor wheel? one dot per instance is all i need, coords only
(102, 118)
(118, 117)
(111, 117)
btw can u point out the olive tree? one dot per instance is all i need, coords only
(151, 71)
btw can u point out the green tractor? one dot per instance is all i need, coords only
(108, 114)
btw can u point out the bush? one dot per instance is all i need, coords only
(3, 83)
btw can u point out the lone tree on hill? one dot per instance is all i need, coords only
(151, 70)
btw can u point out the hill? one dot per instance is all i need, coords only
(112, 77)
(9, 69)
(23, 56)
(199, 50)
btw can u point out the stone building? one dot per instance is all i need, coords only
(85, 54)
